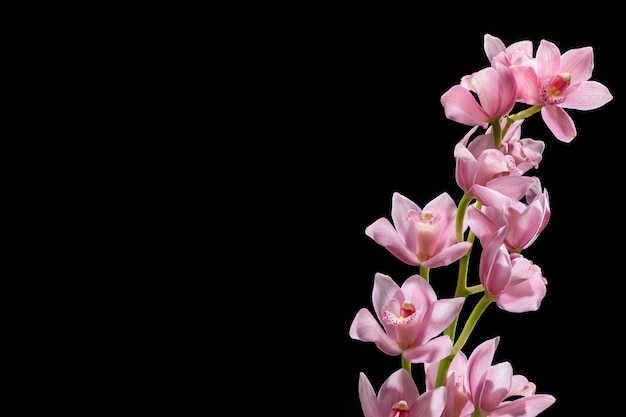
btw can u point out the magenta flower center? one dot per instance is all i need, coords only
(405, 317)
(401, 317)
(554, 89)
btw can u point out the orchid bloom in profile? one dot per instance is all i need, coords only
(412, 319)
(557, 82)
(480, 163)
(399, 397)
(493, 388)
(525, 221)
(420, 237)
(496, 94)
(457, 401)
(512, 281)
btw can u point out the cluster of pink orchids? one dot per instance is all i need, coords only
(504, 208)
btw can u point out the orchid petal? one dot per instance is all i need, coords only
(440, 314)
(397, 387)
(559, 122)
(495, 386)
(478, 363)
(384, 233)
(578, 63)
(460, 106)
(528, 86)
(431, 403)
(524, 407)
(482, 225)
(588, 96)
(492, 46)
(488, 96)
(548, 59)
(432, 351)
(492, 198)
(448, 255)
(520, 385)
(513, 186)
(418, 291)
(522, 297)
(365, 328)
(385, 289)
(400, 205)
(367, 396)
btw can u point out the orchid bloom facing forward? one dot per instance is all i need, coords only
(557, 82)
(418, 236)
(490, 387)
(412, 318)
(399, 397)
(513, 282)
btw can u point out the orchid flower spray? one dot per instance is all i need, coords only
(503, 210)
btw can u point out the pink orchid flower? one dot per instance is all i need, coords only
(420, 237)
(480, 163)
(559, 82)
(514, 282)
(518, 53)
(490, 387)
(525, 221)
(399, 397)
(496, 91)
(412, 318)
(457, 401)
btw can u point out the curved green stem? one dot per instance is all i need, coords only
(497, 133)
(460, 215)
(475, 289)
(425, 273)
(478, 310)
(525, 113)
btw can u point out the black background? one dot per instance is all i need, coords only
(367, 121)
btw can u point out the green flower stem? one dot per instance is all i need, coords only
(442, 373)
(460, 215)
(475, 289)
(524, 113)
(425, 273)
(460, 291)
(461, 283)
(406, 364)
(497, 133)
(478, 310)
